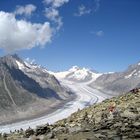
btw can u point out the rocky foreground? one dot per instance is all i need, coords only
(113, 119)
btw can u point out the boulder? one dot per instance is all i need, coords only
(29, 132)
(40, 130)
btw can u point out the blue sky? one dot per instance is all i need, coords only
(99, 34)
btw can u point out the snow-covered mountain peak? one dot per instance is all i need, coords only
(15, 61)
(26, 65)
(77, 74)
(133, 71)
(74, 68)
(139, 64)
(20, 65)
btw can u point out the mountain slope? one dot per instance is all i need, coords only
(26, 89)
(42, 76)
(113, 119)
(121, 82)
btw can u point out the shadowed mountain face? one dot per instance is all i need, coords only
(26, 87)
(121, 82)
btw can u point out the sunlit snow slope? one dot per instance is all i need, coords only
(77, 74)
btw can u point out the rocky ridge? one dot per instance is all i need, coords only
(114, 119)
(119, 82)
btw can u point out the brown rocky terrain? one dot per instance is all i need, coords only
(117, 118)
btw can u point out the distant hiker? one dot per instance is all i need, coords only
(112, 107)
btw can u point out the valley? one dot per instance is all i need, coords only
(36, 90)
(86, 96)
(69, 70)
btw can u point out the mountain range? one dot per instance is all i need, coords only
(77, 74)
(27, 89)
(119, 82)
(114, 83)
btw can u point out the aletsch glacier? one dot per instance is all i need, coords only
(76, 80)
(81, 81)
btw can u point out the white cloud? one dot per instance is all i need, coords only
(56, 3)
(26, 10)
(99, 33)
(82, 10)
(97, 5)
(53, 15)
(20, 34)
(31, 61)
(88, 8)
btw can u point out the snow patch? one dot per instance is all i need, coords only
(28, 67)
(74, 68)
(131, 74)
(20, 65)
(96, 75)
(32, 66)
(59, 75)
(109, 72)
(80, 74)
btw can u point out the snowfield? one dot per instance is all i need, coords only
(77, 74)
(85, 96)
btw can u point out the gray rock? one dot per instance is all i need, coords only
(29, 132)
